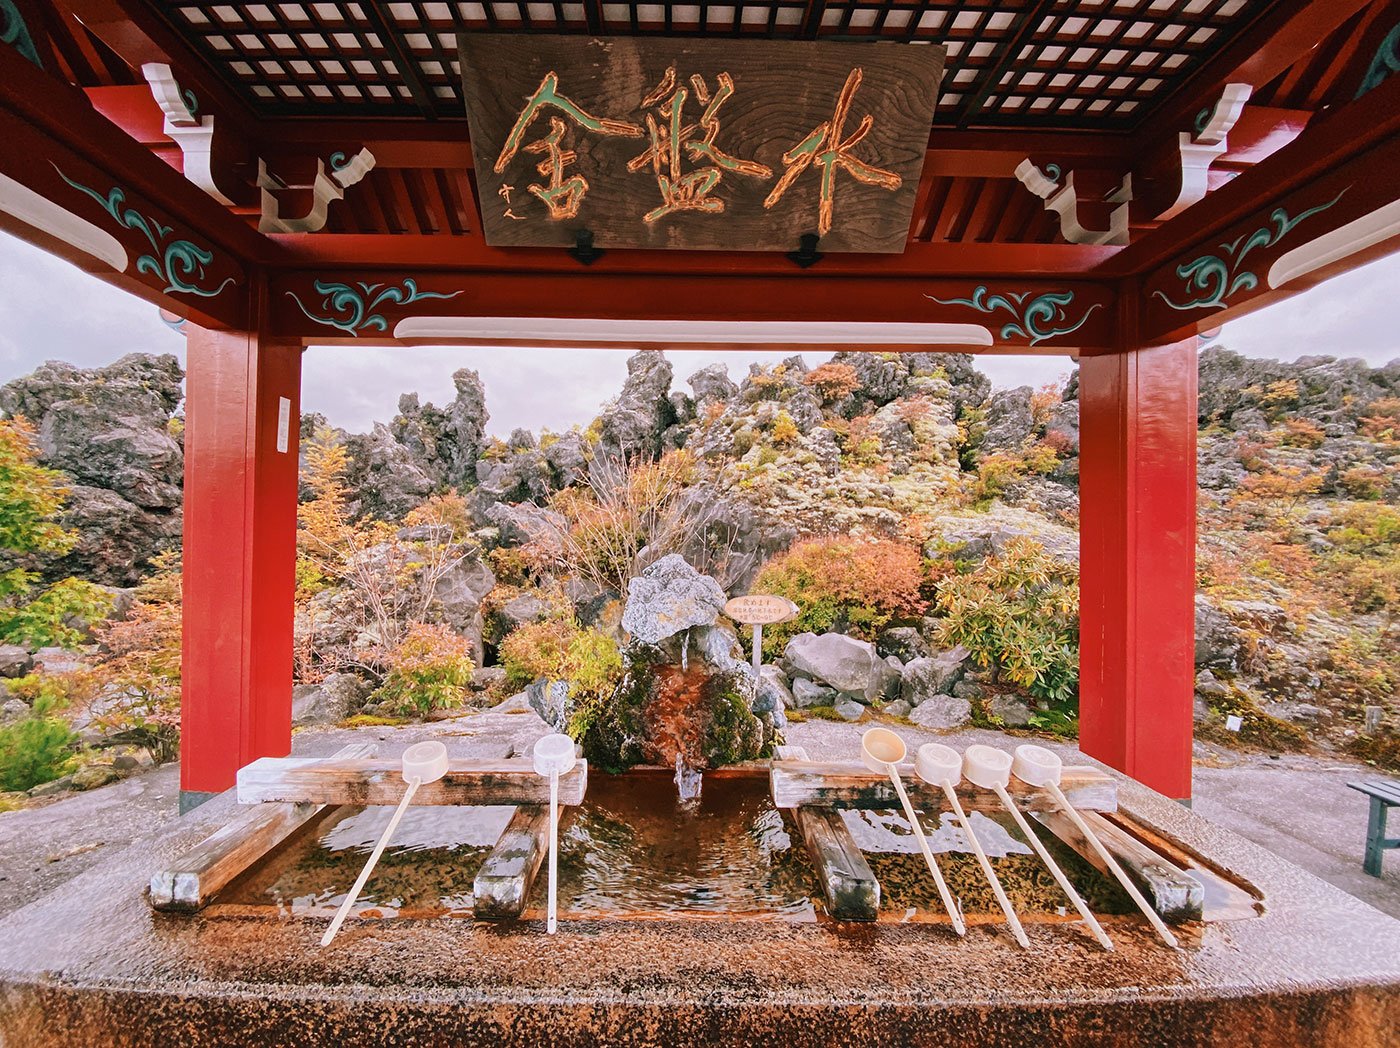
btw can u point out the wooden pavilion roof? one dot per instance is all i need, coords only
(1100, 87)
(1091, 73)
(1045, 64)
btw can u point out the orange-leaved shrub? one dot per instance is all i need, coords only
(833, 381)
(851, 585)
(139, 664)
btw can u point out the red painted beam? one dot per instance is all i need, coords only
(1329, 140)
(1137, 549)
(63, 114)
(114, 232)
(239, 555)
(1229, 270)
(1283, 35)
(468, 254)
(366, 306)
(139, 35)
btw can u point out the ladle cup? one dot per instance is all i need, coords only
(990, 768)
(940, 765)
(554, 756)
(1039, 767)
(883, 750)
(422, 762)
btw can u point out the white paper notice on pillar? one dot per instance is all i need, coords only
(284, 422)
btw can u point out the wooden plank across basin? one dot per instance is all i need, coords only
(189, 882)
(503, 882)
(851, 888)
(1174, 893)
(829, 784)
(335, 780)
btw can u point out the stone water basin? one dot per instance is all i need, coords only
(704, 938)
(633, 849)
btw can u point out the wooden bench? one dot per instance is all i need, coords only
(1384, 796)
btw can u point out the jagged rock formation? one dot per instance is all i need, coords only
(110, 429)
(915, 447)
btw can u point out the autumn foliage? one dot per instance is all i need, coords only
(843, 584)
(833, 381)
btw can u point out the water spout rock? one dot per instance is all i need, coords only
(670, 596)
(700, 713)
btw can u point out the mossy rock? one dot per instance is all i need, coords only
(617, 735)
(1257, 728)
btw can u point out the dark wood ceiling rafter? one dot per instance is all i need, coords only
(299, 43)
(446, 57)
(1022, 29)
(403, 61)
(985, 39)
(1102, 48)
(593, 13)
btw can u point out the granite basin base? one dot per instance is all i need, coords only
(91, 964)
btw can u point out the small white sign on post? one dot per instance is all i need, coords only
(759, 610)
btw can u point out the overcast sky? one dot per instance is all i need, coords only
(51, 310)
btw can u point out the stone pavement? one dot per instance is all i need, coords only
(1296, 806)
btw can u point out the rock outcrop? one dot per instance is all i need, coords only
(110, 429)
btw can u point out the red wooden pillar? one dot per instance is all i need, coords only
(242, 412)
(1137, 541)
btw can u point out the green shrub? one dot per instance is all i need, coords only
(1364, 565)
(30, 497)
(429, 670)
(561, 649)
(842, 584)
(35, 749)
(1018, 612)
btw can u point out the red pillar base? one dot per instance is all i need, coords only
(242, 415)
(1137, 541)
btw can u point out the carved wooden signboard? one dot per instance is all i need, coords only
(697, 144)
(760, 609)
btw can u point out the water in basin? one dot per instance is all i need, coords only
(634, 849)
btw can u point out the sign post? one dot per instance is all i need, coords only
(758, 610)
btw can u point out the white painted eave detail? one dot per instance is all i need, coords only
(1197, 152)
(1064, 201)
(21, 202)
(328, 187)
(685, 332)
(1343, 242)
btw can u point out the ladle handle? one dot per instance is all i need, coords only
(1054, 868)
(943, 892)
(1128, 886)
(986, 864)
(553, 920)
(359, 884)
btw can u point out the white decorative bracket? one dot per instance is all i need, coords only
(326, 188)
(1198, 151)
(194, 135)
(1064, 201)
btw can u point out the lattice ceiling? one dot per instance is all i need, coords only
(1074, 64)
